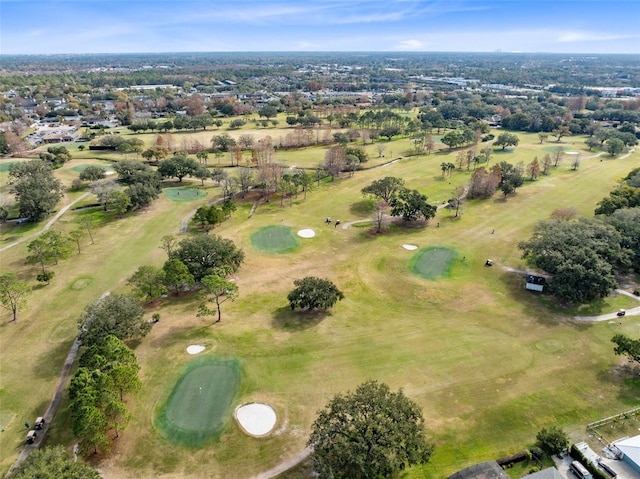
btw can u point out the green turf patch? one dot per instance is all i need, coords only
(5, 165)
(433, 263)
(200, 404)
(81, 282)
(81, 168)
(274, 239)
(183, 194)
(553, 149)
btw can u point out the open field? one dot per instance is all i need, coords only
(488, 362)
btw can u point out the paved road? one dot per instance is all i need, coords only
(46, 226)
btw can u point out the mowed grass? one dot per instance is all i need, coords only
(183, 194)
(433, 262)
(488, 362)
(200, 404)
(274, 239)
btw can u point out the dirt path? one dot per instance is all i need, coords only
(48, 225)
(285, 465)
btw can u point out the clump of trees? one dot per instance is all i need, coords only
(625, 195)
(207, 254)
(53, 462)
(371, 432)
(552, 440)
(36, 189)
(582, 255)
(56, 156)
(107, 370)
(411, 205)
(119, 315)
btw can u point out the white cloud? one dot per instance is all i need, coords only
(572, 37)
(410, 45)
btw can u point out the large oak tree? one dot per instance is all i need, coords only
(580, 254)
(370, 433)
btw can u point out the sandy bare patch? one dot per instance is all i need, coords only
(256, 419)
(195, 349)
(306, 233)
(410, 247)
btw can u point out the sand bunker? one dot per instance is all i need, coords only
(306, 233)
(195, 349)
(256, 419)
(410, 247)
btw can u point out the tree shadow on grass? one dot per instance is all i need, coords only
(50, 364)
(626, 376)
(285, 318)
(362, 208)
(543, 303)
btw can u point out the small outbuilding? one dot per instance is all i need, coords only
(483, 470)
(629, 449)
(535, 283)
(548, 473)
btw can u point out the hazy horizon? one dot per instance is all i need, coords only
(252, 26)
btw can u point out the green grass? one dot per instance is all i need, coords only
(433, 262)
(199, 406)
(81, 168)
(184, 194)
(488, 362)
(275, 239)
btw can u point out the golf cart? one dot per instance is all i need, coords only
(39, 424)
(31, 437)
(621, 312)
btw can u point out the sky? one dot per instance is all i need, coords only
(136, 26)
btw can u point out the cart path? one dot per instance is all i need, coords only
(285, 465)
(592, 319)
(48, 225)
(55, 401)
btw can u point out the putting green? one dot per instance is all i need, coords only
(274, 239)
(81, 168)
(5, 165)
(434, 262)
(200, 404)
(183, 194)
(553, 149)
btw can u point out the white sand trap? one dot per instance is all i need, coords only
(195, 349)
(256, 418)
(410, 247)
(306, 233)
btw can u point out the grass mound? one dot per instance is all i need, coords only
(81, 168)
(274, 239)
(434, 262)
(183, 194)
(199, 405)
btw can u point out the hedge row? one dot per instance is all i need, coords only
(576, 454)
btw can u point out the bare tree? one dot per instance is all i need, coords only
(246, 177)
(334, 161)
(380, 217)
(380, 147)
(546, 164)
